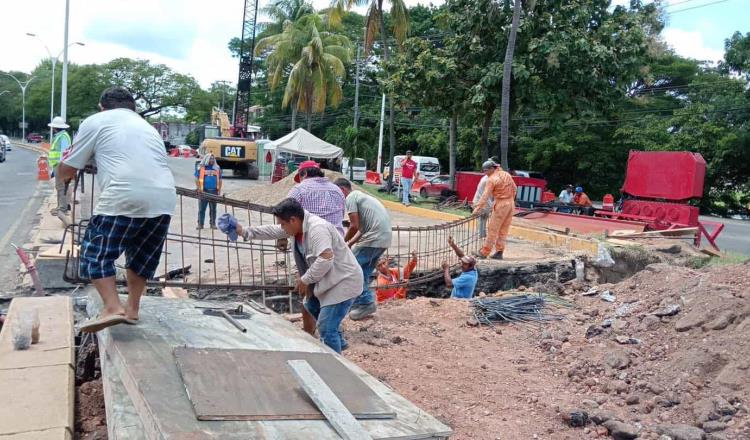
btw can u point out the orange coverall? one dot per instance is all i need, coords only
(502, 187)
(582, 199)
(384, 294)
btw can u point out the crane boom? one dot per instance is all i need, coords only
(244, 82)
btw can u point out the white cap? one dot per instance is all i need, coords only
(58, 122)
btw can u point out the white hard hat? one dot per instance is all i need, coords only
(58, 122)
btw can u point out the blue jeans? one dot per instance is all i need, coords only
(406, 188)
(367, 257)
(202, 204)
(329, 320)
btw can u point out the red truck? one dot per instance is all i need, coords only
(530, 189)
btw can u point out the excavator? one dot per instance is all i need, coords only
(239, 154)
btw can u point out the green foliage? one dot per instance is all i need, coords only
(737, 58)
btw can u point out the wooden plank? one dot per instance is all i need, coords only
(618, 242)
(327, 402)
(55, 345)
(36, 399)
(257, 385)
(142, 357)
(677, 232)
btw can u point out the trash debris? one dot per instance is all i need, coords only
(669, 310)
(603, 257)
(517, 308)
(607, 296)
(627, 340)
(607, 323)
(580, 271)
(623, 310)
(591, 292)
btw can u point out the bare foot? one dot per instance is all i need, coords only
(131, 314)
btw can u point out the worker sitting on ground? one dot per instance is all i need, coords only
(392, 275)
(583, 202)
(207, 180)
(502, 188)
(463, 285)
(329, 277)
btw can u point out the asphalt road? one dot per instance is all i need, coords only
(735, 237)
(20, 197)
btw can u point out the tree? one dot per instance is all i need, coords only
(737, 54)
(375, 25)
(154, 86)
(507, 69)
(313, 62)
(203, 101)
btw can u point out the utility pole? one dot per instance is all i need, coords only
(23, 103)
(64, 91)
(356, 91)
(380, 141)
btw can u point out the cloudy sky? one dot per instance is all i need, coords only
(191, 35)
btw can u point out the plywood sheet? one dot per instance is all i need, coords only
(258, 385)
(36, 399)
(55, 345)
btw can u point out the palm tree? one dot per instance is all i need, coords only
(313, 62)
(376, 26)
(281, 11)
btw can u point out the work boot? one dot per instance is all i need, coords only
(199, 227)
(213, 226)
(497, 256)
(362, 311)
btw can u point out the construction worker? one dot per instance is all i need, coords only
(566, 197)
(208, 180)
(463, 285)
(329, 276)
(502, 188)
(369, 236)
(583, 202)
(488, 168)
(59, 145)
(392, 275)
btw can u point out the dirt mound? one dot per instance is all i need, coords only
(273, 193)
(91, 418)
(669, 356)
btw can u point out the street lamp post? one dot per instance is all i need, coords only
(52, 94)
(23, 102)
(64, 91)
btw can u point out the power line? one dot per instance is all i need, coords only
(696, 7)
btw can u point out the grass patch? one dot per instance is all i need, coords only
(416, 201)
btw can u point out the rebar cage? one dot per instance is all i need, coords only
(205, 260)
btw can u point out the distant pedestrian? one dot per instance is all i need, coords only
(488, 168)
(208, 179)
(58, 147)
(502, 188)
(329, 277)
(369, 236)
(318, 196)
(136, 201)
(409, 173)
(463, 285)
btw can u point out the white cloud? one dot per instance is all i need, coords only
(691, 44)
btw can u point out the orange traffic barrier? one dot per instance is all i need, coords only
(42, 168)
(608, 203)
(548, 196)
(372, 178)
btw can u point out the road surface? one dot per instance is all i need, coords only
(20, 197)
(735, 237)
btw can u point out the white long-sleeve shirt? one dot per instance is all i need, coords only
(480, 191)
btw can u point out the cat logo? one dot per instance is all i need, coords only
(233, 151)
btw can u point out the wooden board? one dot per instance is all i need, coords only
(327, 401)
(142, 357)
(36, 399)
(257, 385)
(55, 345)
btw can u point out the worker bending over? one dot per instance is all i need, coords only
(392, 275)
(583, 202)
(501, 187)
(463, 285)
(329, 277)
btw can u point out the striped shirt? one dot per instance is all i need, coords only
(321, 197)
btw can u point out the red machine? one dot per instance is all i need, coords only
(658, 188)
(529, 189)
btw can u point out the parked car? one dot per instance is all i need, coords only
(192, 152)
(2, 151)
(433, 187)
(359, 170)
(34, 137)
(5, 140)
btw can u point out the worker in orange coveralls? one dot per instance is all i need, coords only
(583, 202)
(391, 275)
(502, 188)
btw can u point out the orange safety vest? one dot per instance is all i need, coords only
(202, 177)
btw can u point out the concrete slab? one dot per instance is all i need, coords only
(47, 434)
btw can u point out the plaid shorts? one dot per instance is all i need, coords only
(107, 237)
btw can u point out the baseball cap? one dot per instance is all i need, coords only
(579, 189)
(488, 165)
(305, 165)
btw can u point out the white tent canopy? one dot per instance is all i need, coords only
(303, 143)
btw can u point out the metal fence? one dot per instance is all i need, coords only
(206, 261)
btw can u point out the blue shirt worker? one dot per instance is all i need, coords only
(207, 180)
(463, 285)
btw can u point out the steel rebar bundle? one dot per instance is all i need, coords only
(517, 309)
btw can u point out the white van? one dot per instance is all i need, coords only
(427, 167)
(359, 171)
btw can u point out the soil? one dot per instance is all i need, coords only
(273, 193)
(685, 374)
(91, 418)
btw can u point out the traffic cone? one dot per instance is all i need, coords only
(608, 202)
(42, 168)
